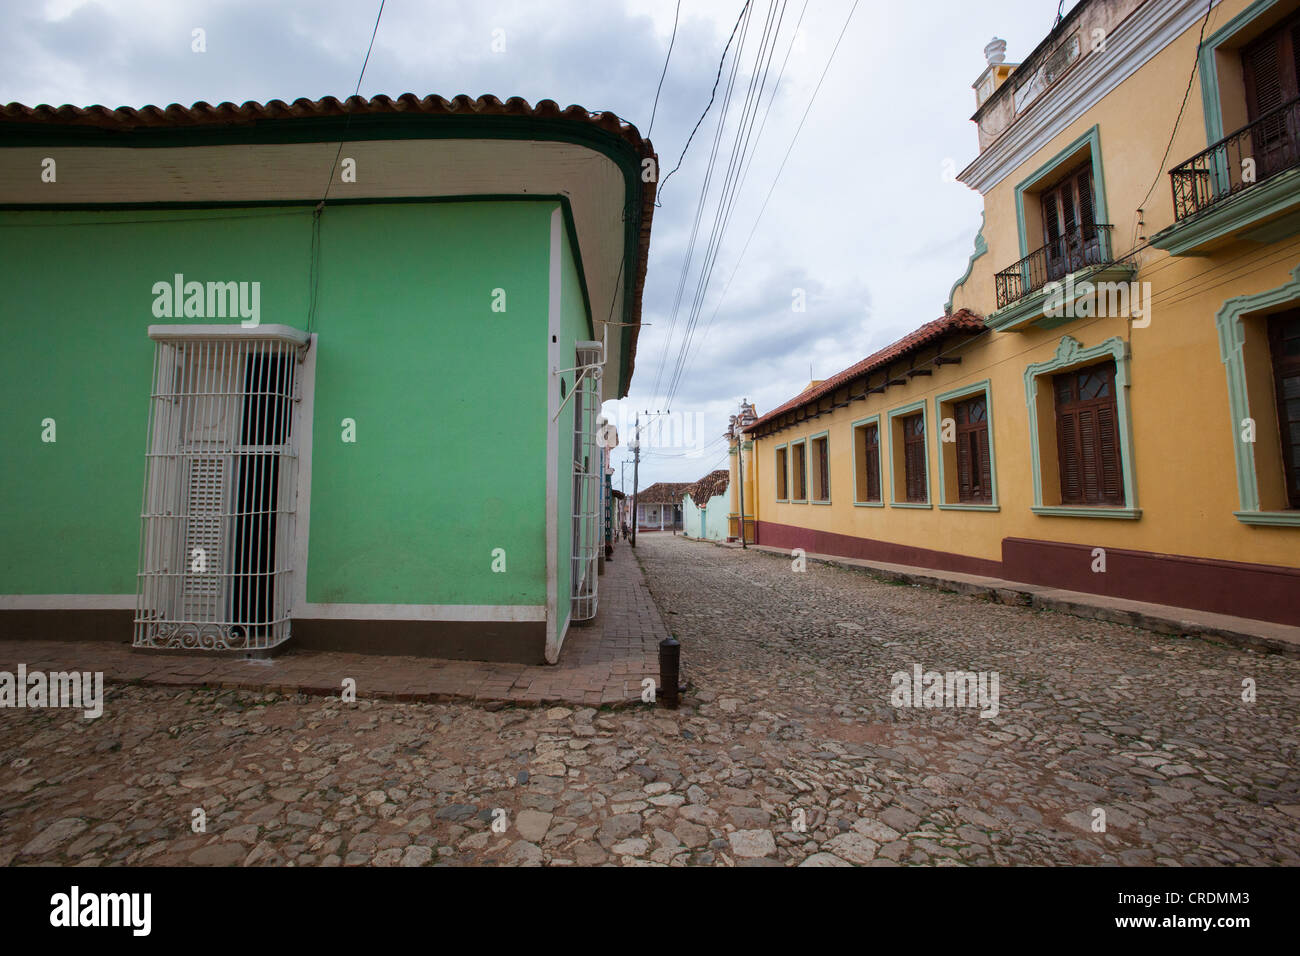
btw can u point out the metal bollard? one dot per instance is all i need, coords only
(669, 669)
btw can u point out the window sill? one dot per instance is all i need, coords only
(1277, 519)
(969, 507)
(782, 501)
(797, 501)
(1087, 511)
(868, 504)
(910, 504)
(820, 501)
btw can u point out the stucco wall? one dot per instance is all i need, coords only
(448, 396)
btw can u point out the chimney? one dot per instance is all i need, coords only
(995, 73)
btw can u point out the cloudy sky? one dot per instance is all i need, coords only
(865, 218)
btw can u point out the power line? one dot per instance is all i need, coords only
(744, 126)
(699, 214)
(1186, 93)
(664, 182)
(731, 183)
(784, 160)
(314, 268)
(671, 41)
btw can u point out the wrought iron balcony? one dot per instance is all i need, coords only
(1084, 247)
(1254, 153)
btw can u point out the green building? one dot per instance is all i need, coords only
(325, 373)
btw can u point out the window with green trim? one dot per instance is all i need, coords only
(866, 455)
(782, 474)
(1087, 434)
(821, 469)
(974, 469)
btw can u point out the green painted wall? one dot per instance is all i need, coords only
(77, 302)
(449, 400)
(713, 525)
(448, 395)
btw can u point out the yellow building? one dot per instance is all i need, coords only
(1112, 402)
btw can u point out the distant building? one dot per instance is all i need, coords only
(659, 507)
(706, 507)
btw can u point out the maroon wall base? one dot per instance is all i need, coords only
(513, 642)
(1263, 592)
(869, 549)
(521, 642)
(67, 624)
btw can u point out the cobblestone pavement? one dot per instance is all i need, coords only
(787, 750)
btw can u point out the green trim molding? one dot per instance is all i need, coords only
(790, 490)
(923, 407)
(1092, 140)
(880, 445)
(966, 391)
(981, 247)
(1069, 354)
(812, 438)
(1232, 343)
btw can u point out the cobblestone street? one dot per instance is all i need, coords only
(786, 751)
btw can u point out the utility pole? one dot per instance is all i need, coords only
(636, 469)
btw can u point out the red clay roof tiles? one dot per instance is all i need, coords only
(960, 321)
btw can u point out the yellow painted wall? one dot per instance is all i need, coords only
(1182, 434)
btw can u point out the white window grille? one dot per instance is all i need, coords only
(220, 488)
(586, 481)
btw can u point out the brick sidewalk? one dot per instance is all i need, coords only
(601, 663)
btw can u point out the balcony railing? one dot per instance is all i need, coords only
(1254, 153)
(1086, 246)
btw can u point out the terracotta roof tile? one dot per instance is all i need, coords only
(960, 321)
(712, 484)
(663, 493)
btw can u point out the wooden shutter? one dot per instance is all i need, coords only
(1087, 431)
(1270, 68)
(985, 465)
(974, 476)
(965, 485)
(1052, 222)
(822, 487)
(914, 458)
(871, 461)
